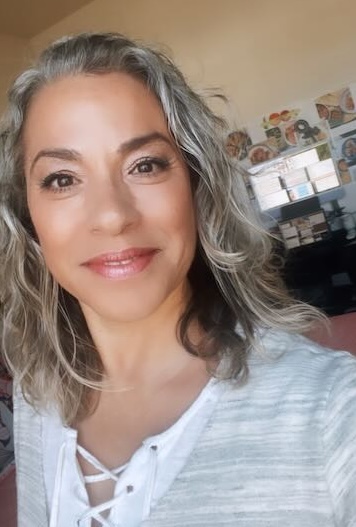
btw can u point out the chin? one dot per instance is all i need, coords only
(129, 308)
(121, 316)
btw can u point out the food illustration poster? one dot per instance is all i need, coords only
(280, 127)
(336, 107)
(238, 143)
(307, 134)
(344, 153)
(263, 151)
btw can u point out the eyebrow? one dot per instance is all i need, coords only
(67, 154)
(137, 142)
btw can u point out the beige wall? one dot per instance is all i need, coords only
(265, 54)
(14, 54)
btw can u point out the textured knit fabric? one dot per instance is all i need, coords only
(279, 451)
(148, 474)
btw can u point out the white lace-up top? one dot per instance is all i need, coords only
(278, 450)
(138, 485)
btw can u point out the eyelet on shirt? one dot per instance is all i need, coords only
(139, 490)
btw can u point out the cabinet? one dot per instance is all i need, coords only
(293, 177)
(324, 273)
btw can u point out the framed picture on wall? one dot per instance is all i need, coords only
(337, 108)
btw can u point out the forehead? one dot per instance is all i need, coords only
(70, 104)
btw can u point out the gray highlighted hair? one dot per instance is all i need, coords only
(45, 339)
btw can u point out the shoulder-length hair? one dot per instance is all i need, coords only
(45, 338)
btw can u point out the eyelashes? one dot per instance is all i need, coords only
(149, 166)
(57, 182)
(143, 168)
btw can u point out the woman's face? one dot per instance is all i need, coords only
(109, 195)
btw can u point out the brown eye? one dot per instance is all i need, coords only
(146, 166)
(149, 166)
(57, 181)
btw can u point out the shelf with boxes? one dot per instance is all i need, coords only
(294, 177)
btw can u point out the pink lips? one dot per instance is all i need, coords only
(123, 264)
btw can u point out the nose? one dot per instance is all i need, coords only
(112, 208)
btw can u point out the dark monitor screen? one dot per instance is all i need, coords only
(300, 208)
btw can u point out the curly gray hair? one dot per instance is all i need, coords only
(45, 337)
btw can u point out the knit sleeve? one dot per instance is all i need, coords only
(31, 501)
(340, 441)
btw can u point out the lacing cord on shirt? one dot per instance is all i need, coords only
(105, 474)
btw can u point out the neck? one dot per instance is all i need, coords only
(140, 352)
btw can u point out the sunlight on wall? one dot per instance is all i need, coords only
(264, 55)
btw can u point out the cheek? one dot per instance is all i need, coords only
(171, 206)
(185, 212)
(181, 227)
(53, 229)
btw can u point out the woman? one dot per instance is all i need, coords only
(143, 319)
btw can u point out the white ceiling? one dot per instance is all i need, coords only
(27, 18)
